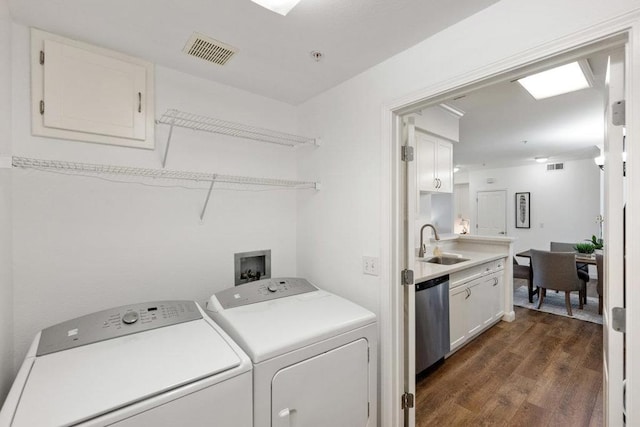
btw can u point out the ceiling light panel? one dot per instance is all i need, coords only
(278, 6)
(564, 79)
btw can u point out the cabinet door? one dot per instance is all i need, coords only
(458, 316)
(426, 146)
(497, 296)
(477, 306)
(444, 163)
(93, 93)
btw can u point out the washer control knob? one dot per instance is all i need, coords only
(273, 287)
(130, 317)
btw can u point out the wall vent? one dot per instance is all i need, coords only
(555, 166)
(211, 50)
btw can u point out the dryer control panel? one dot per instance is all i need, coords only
(263, 290)
(115, 322)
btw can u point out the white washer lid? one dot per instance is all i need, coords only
(72, 386)
(271, 328)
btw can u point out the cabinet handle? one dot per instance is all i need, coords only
(495, 281)
(139, 102)
(439, 183)
(468, 293)
(435, 182)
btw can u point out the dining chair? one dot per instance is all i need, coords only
(583, 269)
(524, 272)
(600, 267)
(556, 271)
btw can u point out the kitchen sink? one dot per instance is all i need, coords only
(445, 260)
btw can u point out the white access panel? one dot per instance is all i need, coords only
(88, 92)
(330, 389)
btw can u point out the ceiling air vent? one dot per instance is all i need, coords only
(555, 166)
(211, 50)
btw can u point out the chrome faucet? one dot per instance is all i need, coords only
(423, 248)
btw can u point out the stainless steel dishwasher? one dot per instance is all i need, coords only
(432, 322)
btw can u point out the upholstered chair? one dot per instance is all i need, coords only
(556, 271)
(524, 272)
(583, 269)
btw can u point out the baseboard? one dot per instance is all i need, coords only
(509, 317)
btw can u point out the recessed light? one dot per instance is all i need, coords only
(278, 6)
(541, 159)
(556, 81)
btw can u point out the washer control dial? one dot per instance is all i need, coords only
(273, 287)
(130, 317)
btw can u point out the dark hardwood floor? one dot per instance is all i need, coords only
(540, 370)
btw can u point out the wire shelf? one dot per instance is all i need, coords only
(210, 124)
(98, 169)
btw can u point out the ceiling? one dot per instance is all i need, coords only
(505, 126)
(274, 51)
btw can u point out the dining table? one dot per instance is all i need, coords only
(581, 259)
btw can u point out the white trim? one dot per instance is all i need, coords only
(392, 378)
(391, 322)
(633, 227)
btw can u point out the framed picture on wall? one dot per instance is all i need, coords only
(523, 210)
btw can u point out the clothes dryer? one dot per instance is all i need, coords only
(154, 364)
(314, 353)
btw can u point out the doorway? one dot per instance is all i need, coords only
(408, 250)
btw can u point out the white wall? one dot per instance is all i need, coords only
(6, 286)
(344, 223)
(82, 244)
(564, 203)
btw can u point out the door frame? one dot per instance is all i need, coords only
(393, 239)
(506, 210)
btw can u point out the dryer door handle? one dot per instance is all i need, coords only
(286, 414)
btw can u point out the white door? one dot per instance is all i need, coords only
(613, 343)
(491, 219)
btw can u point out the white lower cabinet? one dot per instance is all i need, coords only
(474, 305)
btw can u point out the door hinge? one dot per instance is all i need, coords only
(619, 319)
(41, 107)
(407, 400)
(407, 153)
(407, 277)
(618, 116)
(42, 57)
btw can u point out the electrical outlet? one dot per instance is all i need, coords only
(370, 265)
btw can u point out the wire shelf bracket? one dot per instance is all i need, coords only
(212, 178)
(209, 124)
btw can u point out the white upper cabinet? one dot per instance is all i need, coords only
(86, 93)
(435, 163)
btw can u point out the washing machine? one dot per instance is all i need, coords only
(314, 353)
(154, 364)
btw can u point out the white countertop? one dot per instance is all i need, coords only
(426, 270)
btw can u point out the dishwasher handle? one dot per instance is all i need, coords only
(431, 283)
